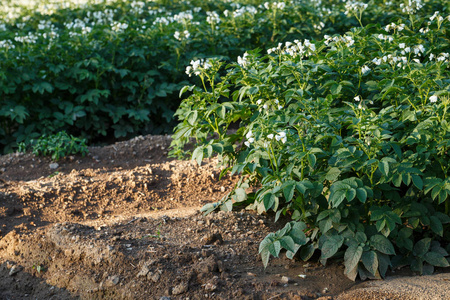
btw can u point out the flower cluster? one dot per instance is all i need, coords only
(197, 66)
(347, 40)
(365, 70)
(181, 35)
(353, 7)
(276, 5)
(241, 11)
(184, 16)
(162, 20)
(119, 27)
(319, 26)
(436, 16)
(279, 136)
(412, 6)
(443, 57)
(243, 61)
(7, 44)
(383, 37)
(266, 105)
(433, 99)
(398, 61)
(212, 17)
(137, 7)
(296, 48)
(30, 38)
(394, 27)
(250, 138)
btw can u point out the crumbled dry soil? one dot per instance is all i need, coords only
(124, 223)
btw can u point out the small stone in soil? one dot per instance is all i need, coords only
(113, 280)
(212, 238)
(14, 270)
(180, 289)
(144, 271)
(286, 279)
(209, 287)
(154, 276)
(54, 166)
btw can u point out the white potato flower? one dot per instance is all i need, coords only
(281, 136)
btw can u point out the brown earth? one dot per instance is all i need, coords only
(124, 223)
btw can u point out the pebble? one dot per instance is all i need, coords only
(210, 287)
(212, 238)
(113, 280)
(54, 166)
(144, 271)
(154, 276)
(180, 289)
(14, 270)
(285, 279)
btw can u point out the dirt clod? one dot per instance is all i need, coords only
(124, 223)
(180, 288)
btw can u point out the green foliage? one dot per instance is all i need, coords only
(57, 146)
(348, 135)
(112, 68)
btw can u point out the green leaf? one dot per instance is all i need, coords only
(417, 265)
(331, 246)
(197, 155)
(384, 168)
(422, 247)
(383, 263)
(288, 243)
(325, 225)
(397, 180)
(311, 160)
(338, 192)
(307, 252)
(333, 174)
(361, 193)
(265, 255)
(350, 194)
(335, 88)
(370, 261)
(240, 195)
(291, 254)
(442, 196)
(192, 117)
(288, 192)
(183, 90)
(361, 237)
(352, 257)
(417, 181)
(182, 132)
(275, 248)
(436, 226)
(436, 259)
(297, 233)
(218, 148)
(382, 244)
(269, 201)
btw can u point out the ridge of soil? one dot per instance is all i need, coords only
(124, 223)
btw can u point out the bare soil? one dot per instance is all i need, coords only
(124, 223)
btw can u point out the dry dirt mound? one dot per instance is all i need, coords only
(123, 223)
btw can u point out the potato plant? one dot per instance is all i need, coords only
(347, 134)
(112, 68)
